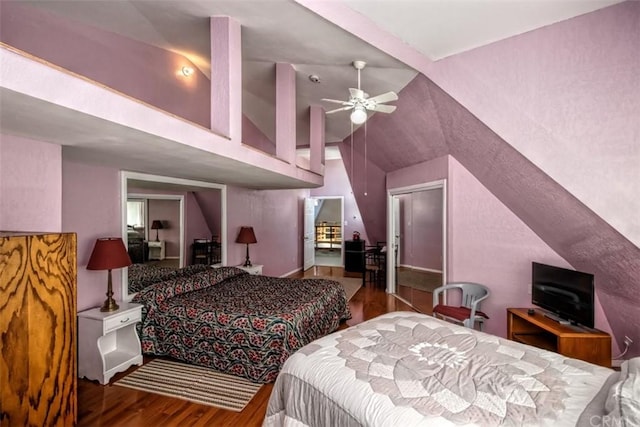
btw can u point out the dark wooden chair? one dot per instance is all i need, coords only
(200, 251)
(375, 265)
(206, 251)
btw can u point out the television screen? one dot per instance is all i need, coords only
(566, 293)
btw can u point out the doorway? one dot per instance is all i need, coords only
(417, 228)
(329, 240)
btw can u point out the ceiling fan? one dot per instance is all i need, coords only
(360, 102)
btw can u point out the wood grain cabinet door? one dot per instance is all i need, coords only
(38, 330)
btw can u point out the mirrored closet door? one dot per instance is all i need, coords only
(419, 244)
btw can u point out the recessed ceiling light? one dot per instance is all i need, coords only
(187, 71)
(314, 78)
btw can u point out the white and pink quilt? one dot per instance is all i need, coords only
(408, 369)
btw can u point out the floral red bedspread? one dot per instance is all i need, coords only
(238, 323)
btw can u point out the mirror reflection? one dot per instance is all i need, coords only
(170, 227)
(419, 247)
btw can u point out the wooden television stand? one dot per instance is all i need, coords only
(539, 331)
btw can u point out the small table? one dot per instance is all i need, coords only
(252, 269)
(108, 342)
(156, 249)
(590, 345)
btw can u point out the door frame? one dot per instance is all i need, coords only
(391, 262)
(308, 242)
(341, 198)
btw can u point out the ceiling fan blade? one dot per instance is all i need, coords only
(337, 101)
(385, 97)
(339, 109)
(384, 108)
(356, 93)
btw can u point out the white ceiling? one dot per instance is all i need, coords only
(284, 31)
(441, 28)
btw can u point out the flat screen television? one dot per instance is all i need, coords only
(568, 294)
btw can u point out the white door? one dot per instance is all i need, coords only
(394, 249)
(396, 230)
(309, 234)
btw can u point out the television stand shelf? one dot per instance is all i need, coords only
(539, 331)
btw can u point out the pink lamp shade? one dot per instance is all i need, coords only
(109, 253)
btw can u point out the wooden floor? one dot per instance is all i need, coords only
(119, 406)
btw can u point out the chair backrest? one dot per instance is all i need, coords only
(471, 292)
(371, 257)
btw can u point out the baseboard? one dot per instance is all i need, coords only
(413, 267)
(292, 272)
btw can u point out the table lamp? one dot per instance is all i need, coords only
(248, 237)
(109, 253)
(156, 225)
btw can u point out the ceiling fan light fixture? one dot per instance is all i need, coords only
(358, 115)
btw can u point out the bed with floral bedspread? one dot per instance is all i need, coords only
(237, 323)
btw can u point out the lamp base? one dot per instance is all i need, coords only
(247, 261)
(109, 305)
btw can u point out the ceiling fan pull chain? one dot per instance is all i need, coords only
(365, 158)
(353, 181)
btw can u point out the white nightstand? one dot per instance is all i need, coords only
(108, 342)
(253, 269)
(156, 249)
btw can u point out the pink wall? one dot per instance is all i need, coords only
(367, 186)
(254, 137)
(490, 245)
(91, 208)
(567, 96)
(210, 203)
(30, 185)
(167, 211)
(142, 71)
(421, 173)
(276, 217)
(336, 183)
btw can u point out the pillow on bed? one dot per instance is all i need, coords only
(191, 269)
(159, 292)
(623, 401)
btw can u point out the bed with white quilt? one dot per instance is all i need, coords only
(409, 369)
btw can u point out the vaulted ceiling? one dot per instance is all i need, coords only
(449, 107)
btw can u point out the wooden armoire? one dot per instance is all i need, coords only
(38, 330)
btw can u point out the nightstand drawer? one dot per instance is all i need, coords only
(122, 319)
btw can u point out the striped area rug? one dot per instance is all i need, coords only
(194, 383)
